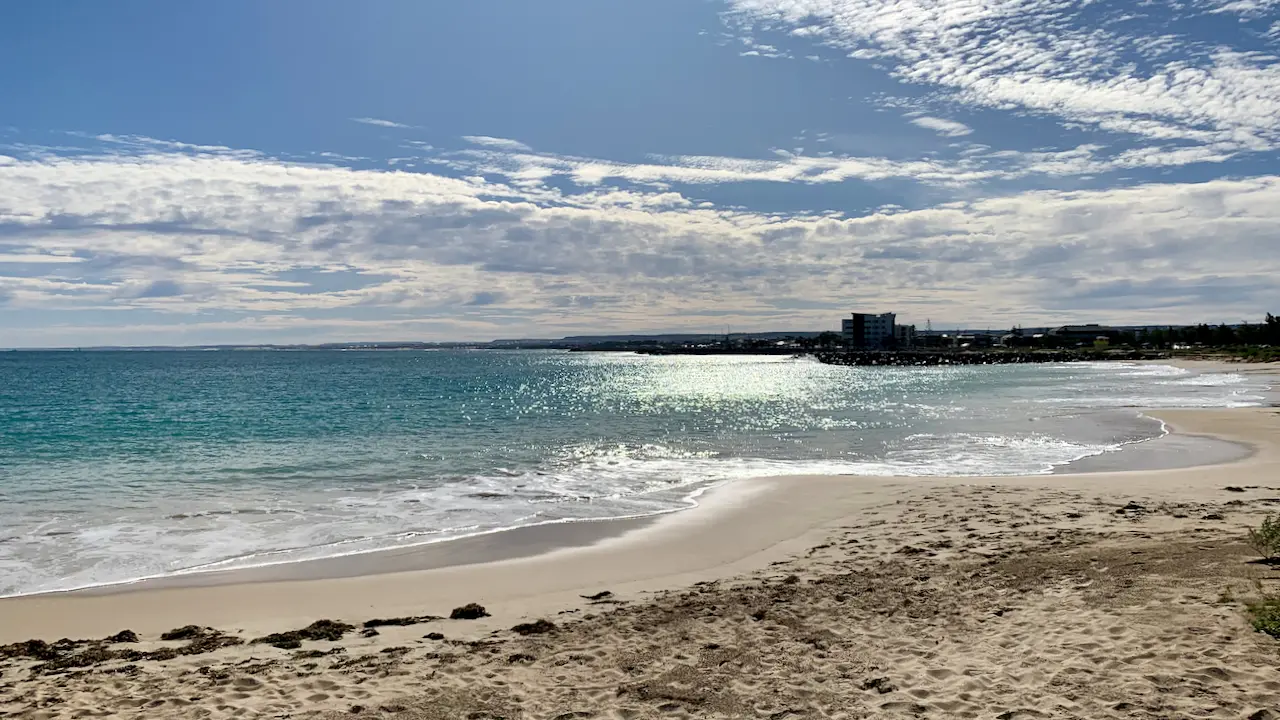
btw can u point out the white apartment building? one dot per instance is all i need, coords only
(868, 332)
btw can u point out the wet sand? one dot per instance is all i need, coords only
(1168, 452)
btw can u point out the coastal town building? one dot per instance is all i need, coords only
(1084, 333)
(863, 331)
(904, 336)
(974, 340)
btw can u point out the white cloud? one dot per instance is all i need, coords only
(201, 243)
(380, 122)
(944, 127)
(758, 49)
(141, 143)
(34, 258)
(1246, 8)
(497, 143)
(531, 169)
(1057, 59)
(972, 166)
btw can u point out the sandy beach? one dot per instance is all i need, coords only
(1088, 595)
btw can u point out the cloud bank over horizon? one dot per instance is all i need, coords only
(1011, 162)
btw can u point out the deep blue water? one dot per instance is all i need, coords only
(120, 465)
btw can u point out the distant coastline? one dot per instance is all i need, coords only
(1253, 343)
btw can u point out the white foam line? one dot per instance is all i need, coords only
(208, 568)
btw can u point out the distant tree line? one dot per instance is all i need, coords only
(827, 340)
(1264, 333)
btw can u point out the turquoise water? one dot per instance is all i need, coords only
(122, 465)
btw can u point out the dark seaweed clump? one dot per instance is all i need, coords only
(186, 632)
(470, 611)
(401, 621)
(34, 649)
(66, 654)
(534, 628)
(332, 630)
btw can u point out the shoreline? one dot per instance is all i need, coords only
(1175, 450)
(1172, 450)
(738, 527)
(1166, 451)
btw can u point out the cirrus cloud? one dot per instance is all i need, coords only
(379, 122)
(497, 143)
(1190, 99)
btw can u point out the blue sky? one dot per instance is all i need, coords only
(309, 171)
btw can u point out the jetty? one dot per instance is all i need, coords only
(913, 358)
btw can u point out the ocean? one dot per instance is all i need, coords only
(118, 466)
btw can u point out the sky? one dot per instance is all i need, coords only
(314, 170)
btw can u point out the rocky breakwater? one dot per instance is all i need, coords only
(910, 358)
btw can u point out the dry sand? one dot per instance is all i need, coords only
(1106, 595)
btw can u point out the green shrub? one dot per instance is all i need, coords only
(1266, 538)
(1266, 616)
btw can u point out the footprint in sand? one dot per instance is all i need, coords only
(1211, 674)
(906, 707)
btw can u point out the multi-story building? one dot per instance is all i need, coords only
(862, 331)
(904, 336)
